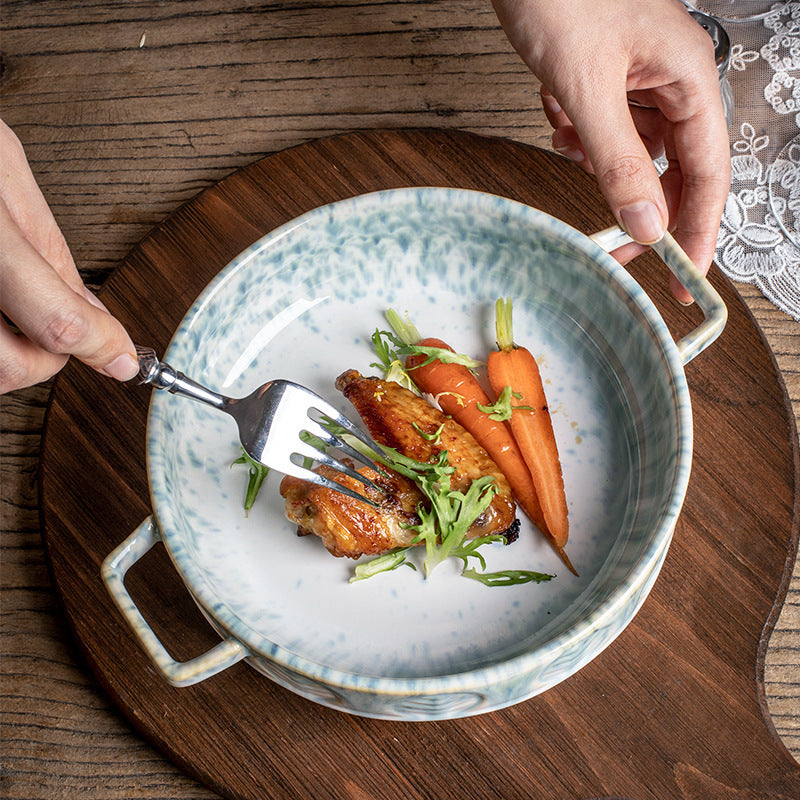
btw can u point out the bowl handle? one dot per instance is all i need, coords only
(698, 286)
(178, 673)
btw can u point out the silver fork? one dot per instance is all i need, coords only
(271, 422)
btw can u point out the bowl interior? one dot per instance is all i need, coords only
(302, 304)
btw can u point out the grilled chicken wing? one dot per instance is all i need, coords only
(390, 412)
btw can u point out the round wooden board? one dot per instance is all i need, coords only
(673, 709)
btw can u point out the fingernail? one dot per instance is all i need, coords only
(642, 222)
(90, 296)
(550, 102)
(572, 153)
(123, 368)
(689, 302)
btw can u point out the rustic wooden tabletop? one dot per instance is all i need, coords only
(126, 111)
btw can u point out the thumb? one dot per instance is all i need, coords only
(624, 169)
(52, 317)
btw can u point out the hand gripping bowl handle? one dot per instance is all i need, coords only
(698, 286)
(178, 673)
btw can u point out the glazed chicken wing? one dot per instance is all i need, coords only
(390, 412)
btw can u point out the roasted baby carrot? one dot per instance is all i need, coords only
(459, 394)
(514, 366)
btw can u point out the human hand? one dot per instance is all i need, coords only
(624, 82)
(41, 291)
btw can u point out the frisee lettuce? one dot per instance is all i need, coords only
(392, 353)
(443, 527)
(382, 563)
(394, 346)
(508, 577)
(391, 362)
(256, 477)
(500, 410)
(434, 437)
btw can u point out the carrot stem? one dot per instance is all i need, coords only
(405, 329)
(504, 324)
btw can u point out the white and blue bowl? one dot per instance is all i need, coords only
(301, 304)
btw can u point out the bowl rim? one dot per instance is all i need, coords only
(228, 624)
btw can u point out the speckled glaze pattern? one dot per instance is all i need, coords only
(301, 304)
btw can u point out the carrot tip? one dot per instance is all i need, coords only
(565, 559)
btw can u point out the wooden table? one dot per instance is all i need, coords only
(129, 110)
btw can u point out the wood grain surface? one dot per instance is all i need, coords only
(647, 694)
(127, 111)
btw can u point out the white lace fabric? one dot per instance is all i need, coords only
(759, 239)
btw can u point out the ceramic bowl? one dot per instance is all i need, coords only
(301, 304)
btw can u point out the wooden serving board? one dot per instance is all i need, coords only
(673, 709)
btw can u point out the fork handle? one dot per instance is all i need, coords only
(162, 376)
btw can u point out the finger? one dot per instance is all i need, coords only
(29, 209)
(704, 187)
(700, 145)
(22, 363)
(650, 124)
(567, 143)
(628, 252)
(695, 212)
(552, 109)
(623, 167)
(565, 139)
(646, 117)
(53, 316)
(672, 183)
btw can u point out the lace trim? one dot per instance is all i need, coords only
(759, 239)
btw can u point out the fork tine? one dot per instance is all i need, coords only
(337, 417)
(291, 414)
(319, 430)
(296, 471)
(309, 451)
